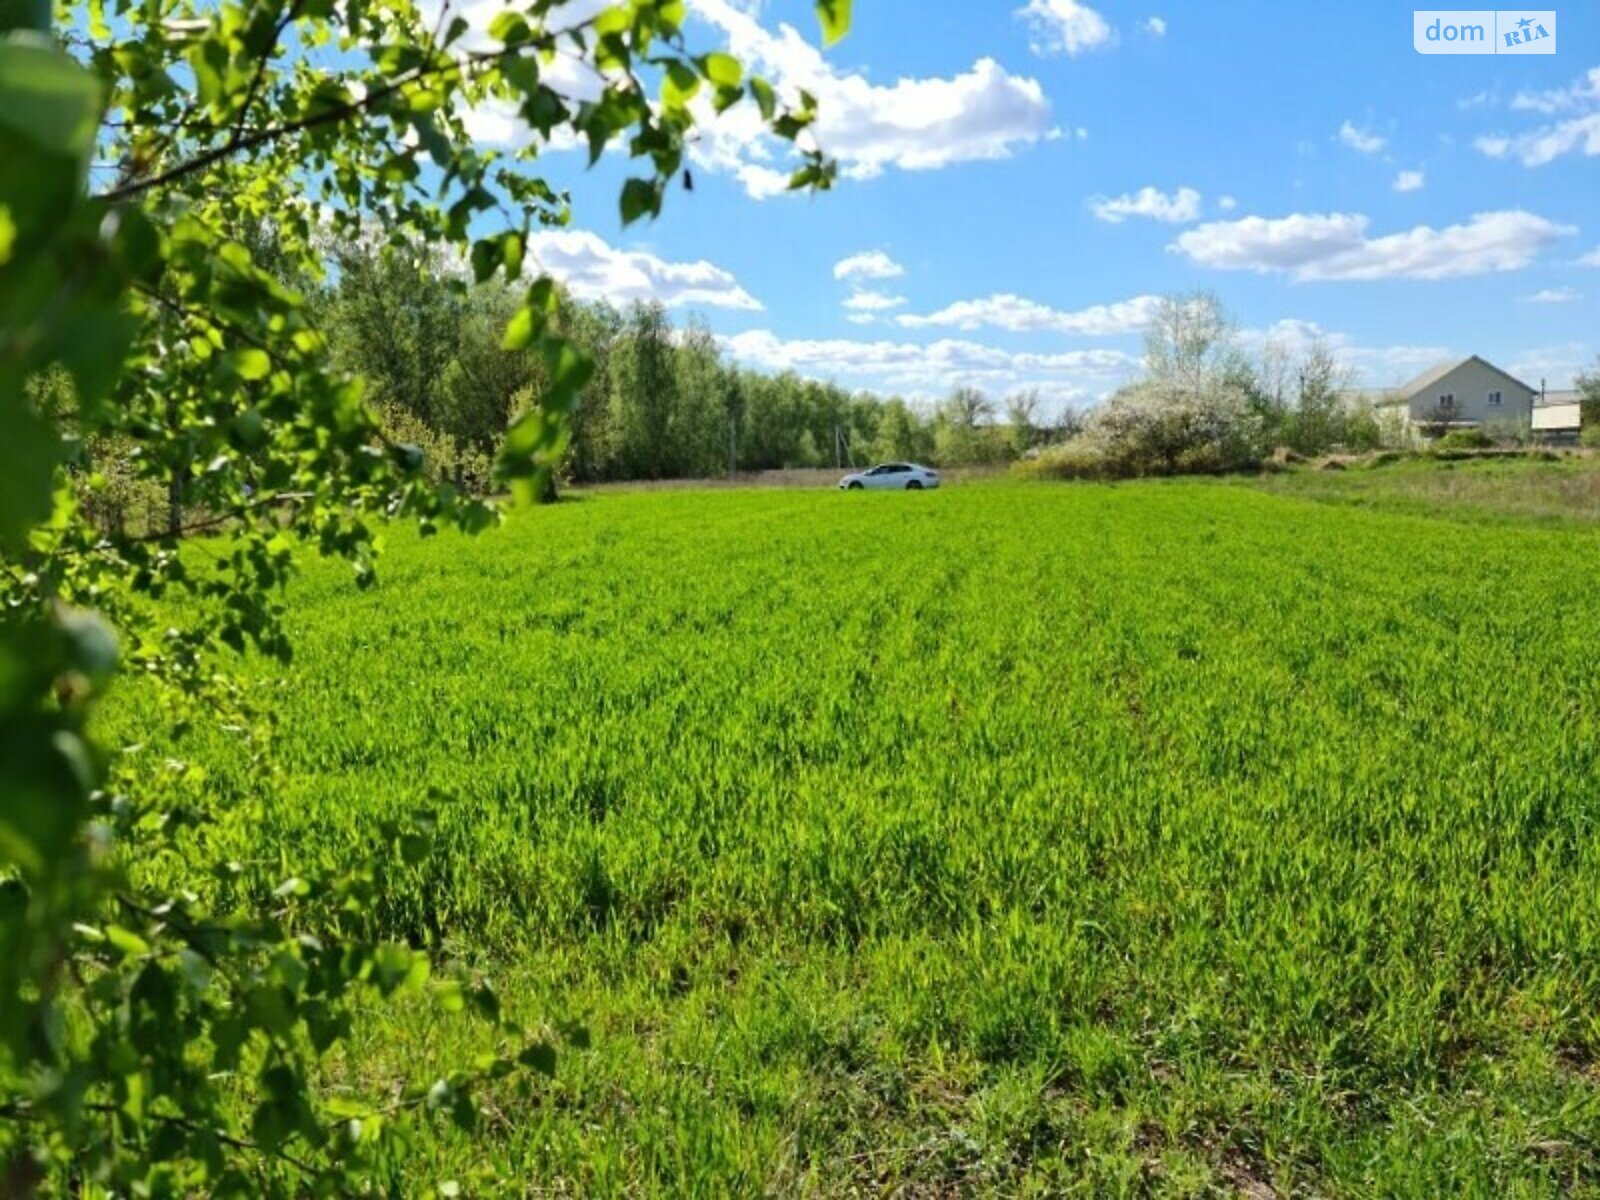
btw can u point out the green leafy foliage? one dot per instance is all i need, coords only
(176, 1037)
(835, 18)
(1588, 387)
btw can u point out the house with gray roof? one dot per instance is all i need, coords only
(1469, 393)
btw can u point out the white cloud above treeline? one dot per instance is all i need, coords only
(912, 124)
(1371, 366)
(1019, 315)
(868, 301)
(1582, 94)
(1066, 27)
(567, 71)
(1361, 140)
(1315, 246)
(1554, 367)
(592, 269)
(931, 370)
(1555, 295)
(869, 264)
(1070, 378)
(1182, 205)
(1578, 132)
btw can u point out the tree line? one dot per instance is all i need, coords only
(662, 403)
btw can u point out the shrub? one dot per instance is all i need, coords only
(1161, 428)
(1394, 429)
(1076, 458)
(1158, 428)
(444, 459)
(1363, 431)
(1464, 439)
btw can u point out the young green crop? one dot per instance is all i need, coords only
(1008, 839)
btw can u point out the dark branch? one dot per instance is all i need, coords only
(235, 513)
(206, 320)
(25, 1112)
(261, 71)
(333, 115)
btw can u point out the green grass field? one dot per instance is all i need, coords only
(1510, 489)
(1176, 838)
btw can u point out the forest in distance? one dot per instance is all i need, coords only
(665, 401)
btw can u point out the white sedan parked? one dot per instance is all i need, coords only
(897, 476)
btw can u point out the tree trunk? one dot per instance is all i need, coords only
(175, 503)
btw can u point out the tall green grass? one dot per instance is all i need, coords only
(1015, 839)
(1493, 488)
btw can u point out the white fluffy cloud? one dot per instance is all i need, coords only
(595, 270)
(1361, 140)
(1156, 27)
(1556, 367)
(1591, 259)
(1582, 94)
(1336, 246)
(913, 124)
(1019, 315)
(497, 122)
(1535, 149)
(931, 370)
(563, 18)
(1182, 205)
(1577, 132)
(1410, 181)
(869, 264)
(1374, 366)
(870, 301)
(1065, 27)
(1555, 295)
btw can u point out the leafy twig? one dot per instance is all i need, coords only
(332, 115)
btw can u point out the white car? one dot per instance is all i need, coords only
(907, 477)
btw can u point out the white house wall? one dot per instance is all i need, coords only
(1470, 384)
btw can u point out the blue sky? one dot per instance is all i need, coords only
(1021, 176)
